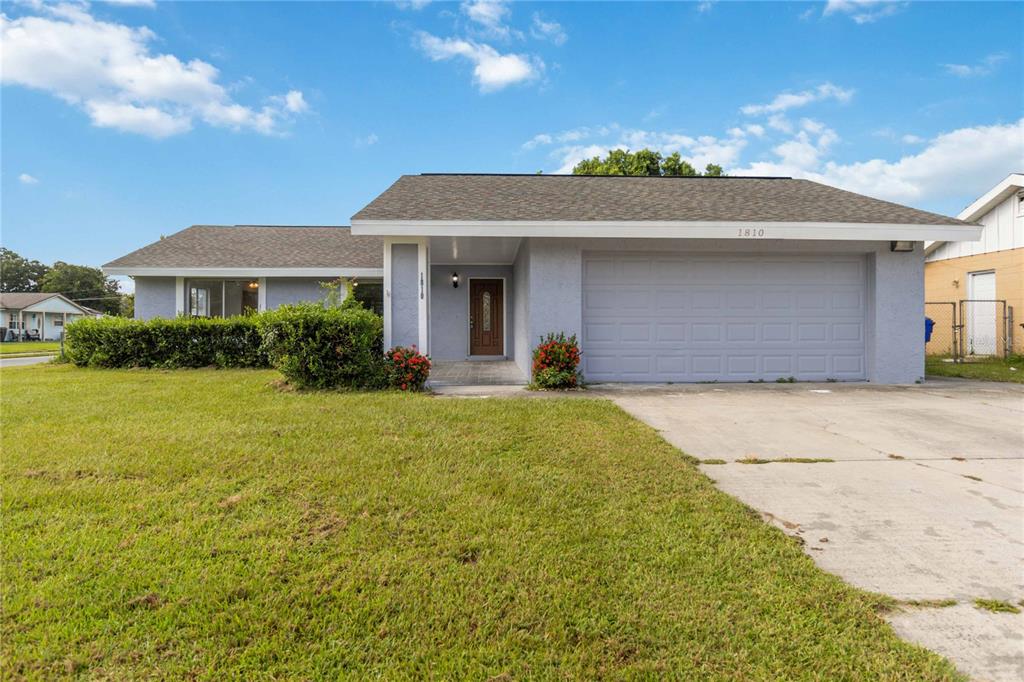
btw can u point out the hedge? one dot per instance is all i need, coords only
(318, 347)
(181, 342)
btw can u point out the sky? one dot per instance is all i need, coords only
(123, 121)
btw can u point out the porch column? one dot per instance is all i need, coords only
(406, 296)
(261, 294)
(179, 296)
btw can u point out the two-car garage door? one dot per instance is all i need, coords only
(664, 317)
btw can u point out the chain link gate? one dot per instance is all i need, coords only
(986, 327)
(944, 340)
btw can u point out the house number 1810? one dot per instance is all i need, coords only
(751, 232)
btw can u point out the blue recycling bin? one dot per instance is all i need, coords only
(929, 323)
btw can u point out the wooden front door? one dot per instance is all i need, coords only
(486, 317)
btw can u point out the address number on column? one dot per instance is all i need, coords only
(752, 232)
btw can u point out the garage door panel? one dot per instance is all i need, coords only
(726, 318)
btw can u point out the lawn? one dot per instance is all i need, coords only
(990, 369)
(207, 524)
(27, 347)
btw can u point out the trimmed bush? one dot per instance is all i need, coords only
(318, 347)
(408, 369)
(556, 362)
(168, 344)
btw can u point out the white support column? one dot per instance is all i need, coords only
(423, 265)
(179, 295)
(387, 293)
(261, 294)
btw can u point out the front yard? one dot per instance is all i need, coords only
(984, 369)
(204, 523)
(29, 347)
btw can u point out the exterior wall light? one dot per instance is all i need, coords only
(254, 285)
(901, 247)
(455, 280)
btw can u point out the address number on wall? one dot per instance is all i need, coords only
(752, 232)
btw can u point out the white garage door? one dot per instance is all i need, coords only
(652, 317)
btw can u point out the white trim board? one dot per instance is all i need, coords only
(744, 231)
(245, 273)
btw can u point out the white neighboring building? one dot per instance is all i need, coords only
(45, 314)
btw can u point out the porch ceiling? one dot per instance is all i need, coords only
(489, 250)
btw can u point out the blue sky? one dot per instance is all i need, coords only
(122, 122)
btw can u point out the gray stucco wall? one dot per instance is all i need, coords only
(404, 300)
(154, 297)
(895, 347)
(896, 284)
(286, 290)
(520, 317)
(449, 309)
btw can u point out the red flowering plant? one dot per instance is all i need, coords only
(556, 362)
(408, 369)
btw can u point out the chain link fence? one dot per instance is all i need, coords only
(969, 328)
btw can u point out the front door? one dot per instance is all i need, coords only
(486, 317)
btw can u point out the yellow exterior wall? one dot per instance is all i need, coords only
(946, 280)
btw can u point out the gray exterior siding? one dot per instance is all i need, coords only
(283, 291)
(154, 297)
(404, 299)
(449, 309)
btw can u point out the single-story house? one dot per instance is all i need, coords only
(40, 316)
(661, 279)
(983, 272)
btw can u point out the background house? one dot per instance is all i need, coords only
(38, 315)
(976, 272)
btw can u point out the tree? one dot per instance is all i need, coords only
(84, 285)
(127, 305)
(642, 162)
(19, 274)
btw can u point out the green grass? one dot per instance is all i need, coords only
(996, 606)
(205, 524)
(991, 369)
(929, 603)
(25, 347)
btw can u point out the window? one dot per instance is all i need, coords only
(486, 312)
(199, 302)
(13, 324)
(370, 294)
(59, 322)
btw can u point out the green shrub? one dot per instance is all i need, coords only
(161, 343)
(408, 369)
(556, 362)
(318, 347)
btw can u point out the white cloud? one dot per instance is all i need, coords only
(490, 15)
(982, 68)
(959, 163)
(491, 70)
(911, 139)
(791, 100)
(864, 11)
(27, 179)
(705, 6)
(107, 70)
(547, 30)
(131, 3)
(367, 141)
(414, 5)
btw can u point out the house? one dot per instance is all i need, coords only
(662, 279)
(221, 271)
(40, 316)
(983, 273)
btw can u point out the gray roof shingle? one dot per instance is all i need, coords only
(258, 246)
(622, 198)
(15, 300)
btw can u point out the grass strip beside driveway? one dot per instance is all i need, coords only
(988, 369)
(13, 348)
(202, 523)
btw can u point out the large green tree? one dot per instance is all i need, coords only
(88, 286)
(18, 273)
(643, 162)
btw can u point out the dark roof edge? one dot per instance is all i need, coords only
(576, 175)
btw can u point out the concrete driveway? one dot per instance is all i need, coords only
(925, 498)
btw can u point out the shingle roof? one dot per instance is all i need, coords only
(10, 300)
(618, 198)
(258, 246)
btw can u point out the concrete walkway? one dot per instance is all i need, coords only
(924, 501)
(475, 373)
(22, 361)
